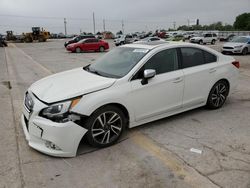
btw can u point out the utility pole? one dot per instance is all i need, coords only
(104, 28)
(174, 24)
(94, 21)
(188, 22)
(122, 27)
(65, 26)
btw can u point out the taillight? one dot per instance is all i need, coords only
(236, 64)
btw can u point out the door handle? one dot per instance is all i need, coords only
(212, 70)
(177, 80)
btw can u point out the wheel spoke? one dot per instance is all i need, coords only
(102, 122)
(223, 89)
(99, 132)
(217, 89)
(214, 97)
(222, 97)
(217, 101)
(114, 118)
(103, 139)
(115, 129)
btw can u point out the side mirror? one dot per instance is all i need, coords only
(147, 74)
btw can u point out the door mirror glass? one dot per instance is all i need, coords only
(147, 74)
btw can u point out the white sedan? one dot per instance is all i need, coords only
(129, 86)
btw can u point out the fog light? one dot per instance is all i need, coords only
(51, 145)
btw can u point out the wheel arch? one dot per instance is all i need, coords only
(118, 105)
(222, 79)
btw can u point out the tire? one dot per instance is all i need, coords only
(213, 42)
(200, 42)
(78, 50)
(244, 51)
(101, 49)
(218, 95)
(105, 126)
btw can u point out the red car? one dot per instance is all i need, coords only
(89, 44)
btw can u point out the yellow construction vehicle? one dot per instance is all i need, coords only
(10, 36)
(36, 34)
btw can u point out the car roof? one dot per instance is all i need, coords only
(160, 44)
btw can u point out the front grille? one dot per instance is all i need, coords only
(225, 47)
(26, 123)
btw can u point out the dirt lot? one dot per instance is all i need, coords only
(153, 155)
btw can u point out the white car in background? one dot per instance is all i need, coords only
(128, 86)
(204, 38)
(240, 45)
(150, 40)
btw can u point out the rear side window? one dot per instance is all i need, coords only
(164, 61)
(209, 58)
(191, 57)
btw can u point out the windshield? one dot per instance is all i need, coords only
(118, 62)
(240, 39)
(81, 41)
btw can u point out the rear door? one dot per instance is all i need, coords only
(199, 68)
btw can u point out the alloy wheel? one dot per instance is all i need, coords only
(219, 95)
(106, 128)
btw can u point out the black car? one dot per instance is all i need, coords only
(3, 43)
(77, 39)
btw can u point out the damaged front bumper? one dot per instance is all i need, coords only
(52, 138)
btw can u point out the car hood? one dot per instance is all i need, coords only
(233, 44)
(69, 84)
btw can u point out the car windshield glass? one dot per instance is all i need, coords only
(118, 62)
(240, 39)
(81, 41)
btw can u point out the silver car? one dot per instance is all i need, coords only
(239, 45)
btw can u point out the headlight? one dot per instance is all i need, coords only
(238, 46)
(59, 111)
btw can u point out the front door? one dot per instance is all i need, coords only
(163, 93)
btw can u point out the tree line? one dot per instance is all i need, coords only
(241, 23)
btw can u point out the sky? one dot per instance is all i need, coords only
(136, 15)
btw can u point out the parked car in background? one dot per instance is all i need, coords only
(239, 45)
(176, 38)
(77, 39)
(205, 38)
(125, 39)
(131, 85)
(228, 38)
(150, 40)
(90, 44)
(3, 43)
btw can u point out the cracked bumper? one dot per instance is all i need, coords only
(41, 132)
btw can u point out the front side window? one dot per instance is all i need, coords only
(164, 61)
(191, 57)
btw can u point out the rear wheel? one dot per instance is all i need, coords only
(218, 95)
(101, 49)
(78, 50)
(244, 51)
(200, 42)
(105, 126)
(213, 42)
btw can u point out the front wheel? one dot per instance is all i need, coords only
(78, 50)
(213, 42)
(200, 42)
(244, 51)
(105, 126)
(218, 95)
(101, 49)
